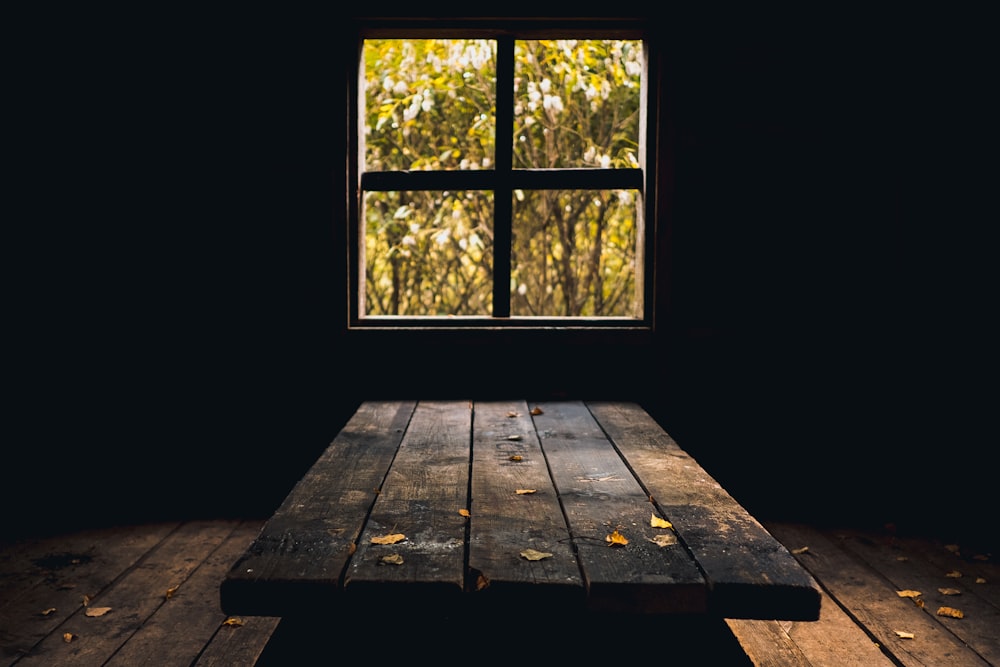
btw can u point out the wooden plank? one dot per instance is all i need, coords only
(296, 564)
(979, 626)
(132, 598)
(504, 523)
(239, 645)
(178, 630)
(874, 603)
(750, 574)
(425, 489)
(833, 640)
(57, 572)
(600, 496)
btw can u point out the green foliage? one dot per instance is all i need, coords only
(431, 105)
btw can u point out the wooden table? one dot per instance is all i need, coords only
(466, 507)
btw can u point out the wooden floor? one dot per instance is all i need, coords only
(148, 595)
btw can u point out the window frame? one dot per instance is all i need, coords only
(502, 179)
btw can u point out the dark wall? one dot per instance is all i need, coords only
(180, 347)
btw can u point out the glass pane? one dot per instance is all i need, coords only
(429, 104)
(574, 253)
(428, 253)
(576, 103)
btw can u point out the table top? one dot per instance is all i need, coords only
(557, 506)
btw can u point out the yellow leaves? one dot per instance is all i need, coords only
(800, 551)
(464, 513)
(616, 539)
(664, 540)
(904, 635)
(97, 611)
(516, 457)
(954, 574)
(980, 580)
(657, 522)
(536, 411)
(531, 554)
(514, 438)
(68, 637)
(949, 591)
(392, 538)
(233, 622)
(46, 612)
(950, 612)
(170, 592)
(392, 559)
(909, 594)
(523, 492)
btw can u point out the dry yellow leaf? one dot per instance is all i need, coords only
(393, 559)
(664, 539)
(902, 559)
(536, 410)
(97, 611)
(800, 551)
(904, 635)
(522, 492)
(954, 574)
(170, 591)
(46, 612)
(233, 621)
(982, 557)
(388, 539)
(512, 414)
(657, 522)
(909, 594)
(919, 602)
(531, 554)
(482, 582)
(950, 611)
(980, 580)
(616, 539)
(949, 591)
(86, 600)
(515, 457)
(68, 637)
(464, 513)
(514, 437)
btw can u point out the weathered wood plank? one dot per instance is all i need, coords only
(425, 489)
(132, 598)
(239, 645)
(177, 632)
(58, 572)
(874, 603)
(750, 574)
(296, 563)
(980, 627)
(503, 522)
(600, 496)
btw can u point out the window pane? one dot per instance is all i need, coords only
(576, 103)
(574, 253)
(428, 253)
(429, 104)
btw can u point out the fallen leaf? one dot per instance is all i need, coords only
(531, 554)
(982, 557)
(511, 414)
(393, 559)
(352, 547)
(522, 492)
(68, 637)
(170, 591)
(66, 587)
(464, 513)
(657, 522)
(950, 611)
(46, 612)
(97, 611)
(909, 594)
(980, 580)
(233, 621)
(86, 600)
(536, 410)
(904, 635)
(389, 539)
(954, 574)
(514, 437)
(919, 602)
(515, 457)
(949, 591)
(664, 539)
(902, 559)
(800, 551)
(616, 539)
(952, 548)
(482, 582)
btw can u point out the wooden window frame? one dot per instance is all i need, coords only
(650, 178)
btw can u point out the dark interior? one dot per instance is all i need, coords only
(179, 293)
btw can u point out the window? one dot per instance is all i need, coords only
(504, 175)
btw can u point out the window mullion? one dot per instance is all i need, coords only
(503, 162)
